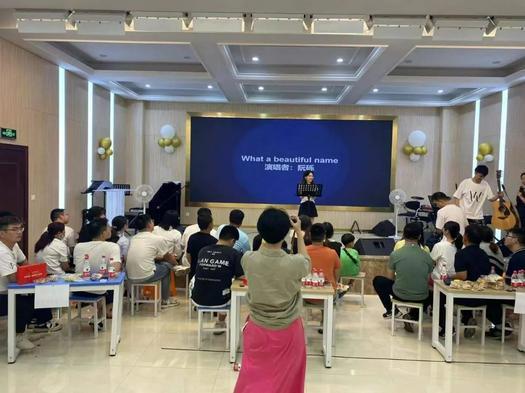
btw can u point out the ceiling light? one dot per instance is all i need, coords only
(277, 24)
(375, 90)
(340, 59)
(52, 22)
(99, 23)
(155, 22)
(452, 29)
(210, 87)
(336, 25)
(440, 91)
(324, 89)
(255, 58)
(148, 85)
(260, 88)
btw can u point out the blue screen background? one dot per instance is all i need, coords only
(218, 173)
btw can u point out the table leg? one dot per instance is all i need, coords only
(328, 331)
(12, 350)
(233, 327)
(521, 334)
(121, 309)
(448, 328)
(435, 317)
(117, 316)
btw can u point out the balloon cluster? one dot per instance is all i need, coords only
(485, 152)
(416, 145)
(104, 148)
(168, 141)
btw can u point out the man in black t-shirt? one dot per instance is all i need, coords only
(217, 265)
(199, 240)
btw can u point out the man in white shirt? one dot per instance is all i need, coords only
(448, 211)
(472, 194)
(70, 237)
(191, 230)
(11, 230)
(149, 259)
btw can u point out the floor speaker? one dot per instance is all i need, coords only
(375, 246)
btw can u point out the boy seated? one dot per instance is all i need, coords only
(350, 260)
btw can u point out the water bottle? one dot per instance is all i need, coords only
(321, 278)
(443, 271)
(493, 270)
(514, 279)
(315, 278)
(86, 268)
(103, 266)
(521, 278)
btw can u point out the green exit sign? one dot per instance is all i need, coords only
(7, 133)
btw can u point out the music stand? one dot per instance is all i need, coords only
(309, 190)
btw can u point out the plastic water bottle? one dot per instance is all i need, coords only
(321, 278)
(443, 271)
(86, 268)
(521, 278)
(103, 269)
(493, 270)
(514, 279)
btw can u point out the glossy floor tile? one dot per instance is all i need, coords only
(160, 355)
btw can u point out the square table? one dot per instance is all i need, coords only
(451, 294)
(115, 284)
(323, 293)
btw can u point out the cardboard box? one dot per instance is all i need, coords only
(27, 274)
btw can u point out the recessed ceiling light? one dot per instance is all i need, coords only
(148, 85)
(440, 91)
(340, 60)
(496, 62)
(324, 89)
(103, 56)
(210, 87)
(375, 90)
(260, 88)
(255, 58)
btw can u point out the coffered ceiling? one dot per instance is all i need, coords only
(284, 64)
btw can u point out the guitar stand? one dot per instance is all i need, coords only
(355, 224)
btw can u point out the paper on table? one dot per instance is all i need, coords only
(52, 296)
(519, 306)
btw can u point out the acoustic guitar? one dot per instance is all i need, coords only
(504, 216)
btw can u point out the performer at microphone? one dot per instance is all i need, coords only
(520, 201)
(307, 206)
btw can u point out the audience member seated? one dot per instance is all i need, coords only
(470, 263)
(306, 224)
(490, 247)
(166, 229)
(51, 250)
(322, 257)
(274, 302)
(89, 215)
(257, 241)
(69, 239)
(11, 230)
(217, 265)
(407, 275)
(401, 243)
(515, 241)
(329, 241)
(149, 259)
(350, 259)
(236, 218)
(95, 252)
(199, 240)
(119, 235)
(444, 252)
(448, 211)
(192, 229)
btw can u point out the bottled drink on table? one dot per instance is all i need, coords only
(514, 279)
(492, 270)
(315, 278)
(321, 278)
(103, 266)
(86, 269)
(521, 278)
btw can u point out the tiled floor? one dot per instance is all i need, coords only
(159, 355)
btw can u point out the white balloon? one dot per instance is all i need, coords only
(167, 131)
(169, 149)
(414, 157)
(489, 158)
(417, 138)
(101, 150)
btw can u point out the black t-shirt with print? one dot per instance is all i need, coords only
(197, 242)
(217, 265)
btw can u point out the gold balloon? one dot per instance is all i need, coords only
(109, 152)
(176, 142)
(161, 142)
(407, 149)
(418, 150)
(103, 156)
(485, 148)
(479, 157)
(424, 150)
(167, 142)
(105, 143)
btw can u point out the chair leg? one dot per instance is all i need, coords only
(362, 293)
(483, 325)
(227, 329)
(420, 324)
(503, 318)
(155, 294)
(104, 313)
(393, 319)
(199, 319)
(132, 305)
(69, 320)
(95, 320)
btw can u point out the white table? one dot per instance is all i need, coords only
(326, 294)
(116, 285)
(451, 294)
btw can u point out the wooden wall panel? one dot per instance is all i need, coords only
(100, 130)
(489, 132)
(515, 146)
(465, 139)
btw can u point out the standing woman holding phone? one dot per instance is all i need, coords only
(307, 206)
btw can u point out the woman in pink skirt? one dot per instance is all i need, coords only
(274, 357)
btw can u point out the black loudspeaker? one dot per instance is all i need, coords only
(384, 229)
(383, 246)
